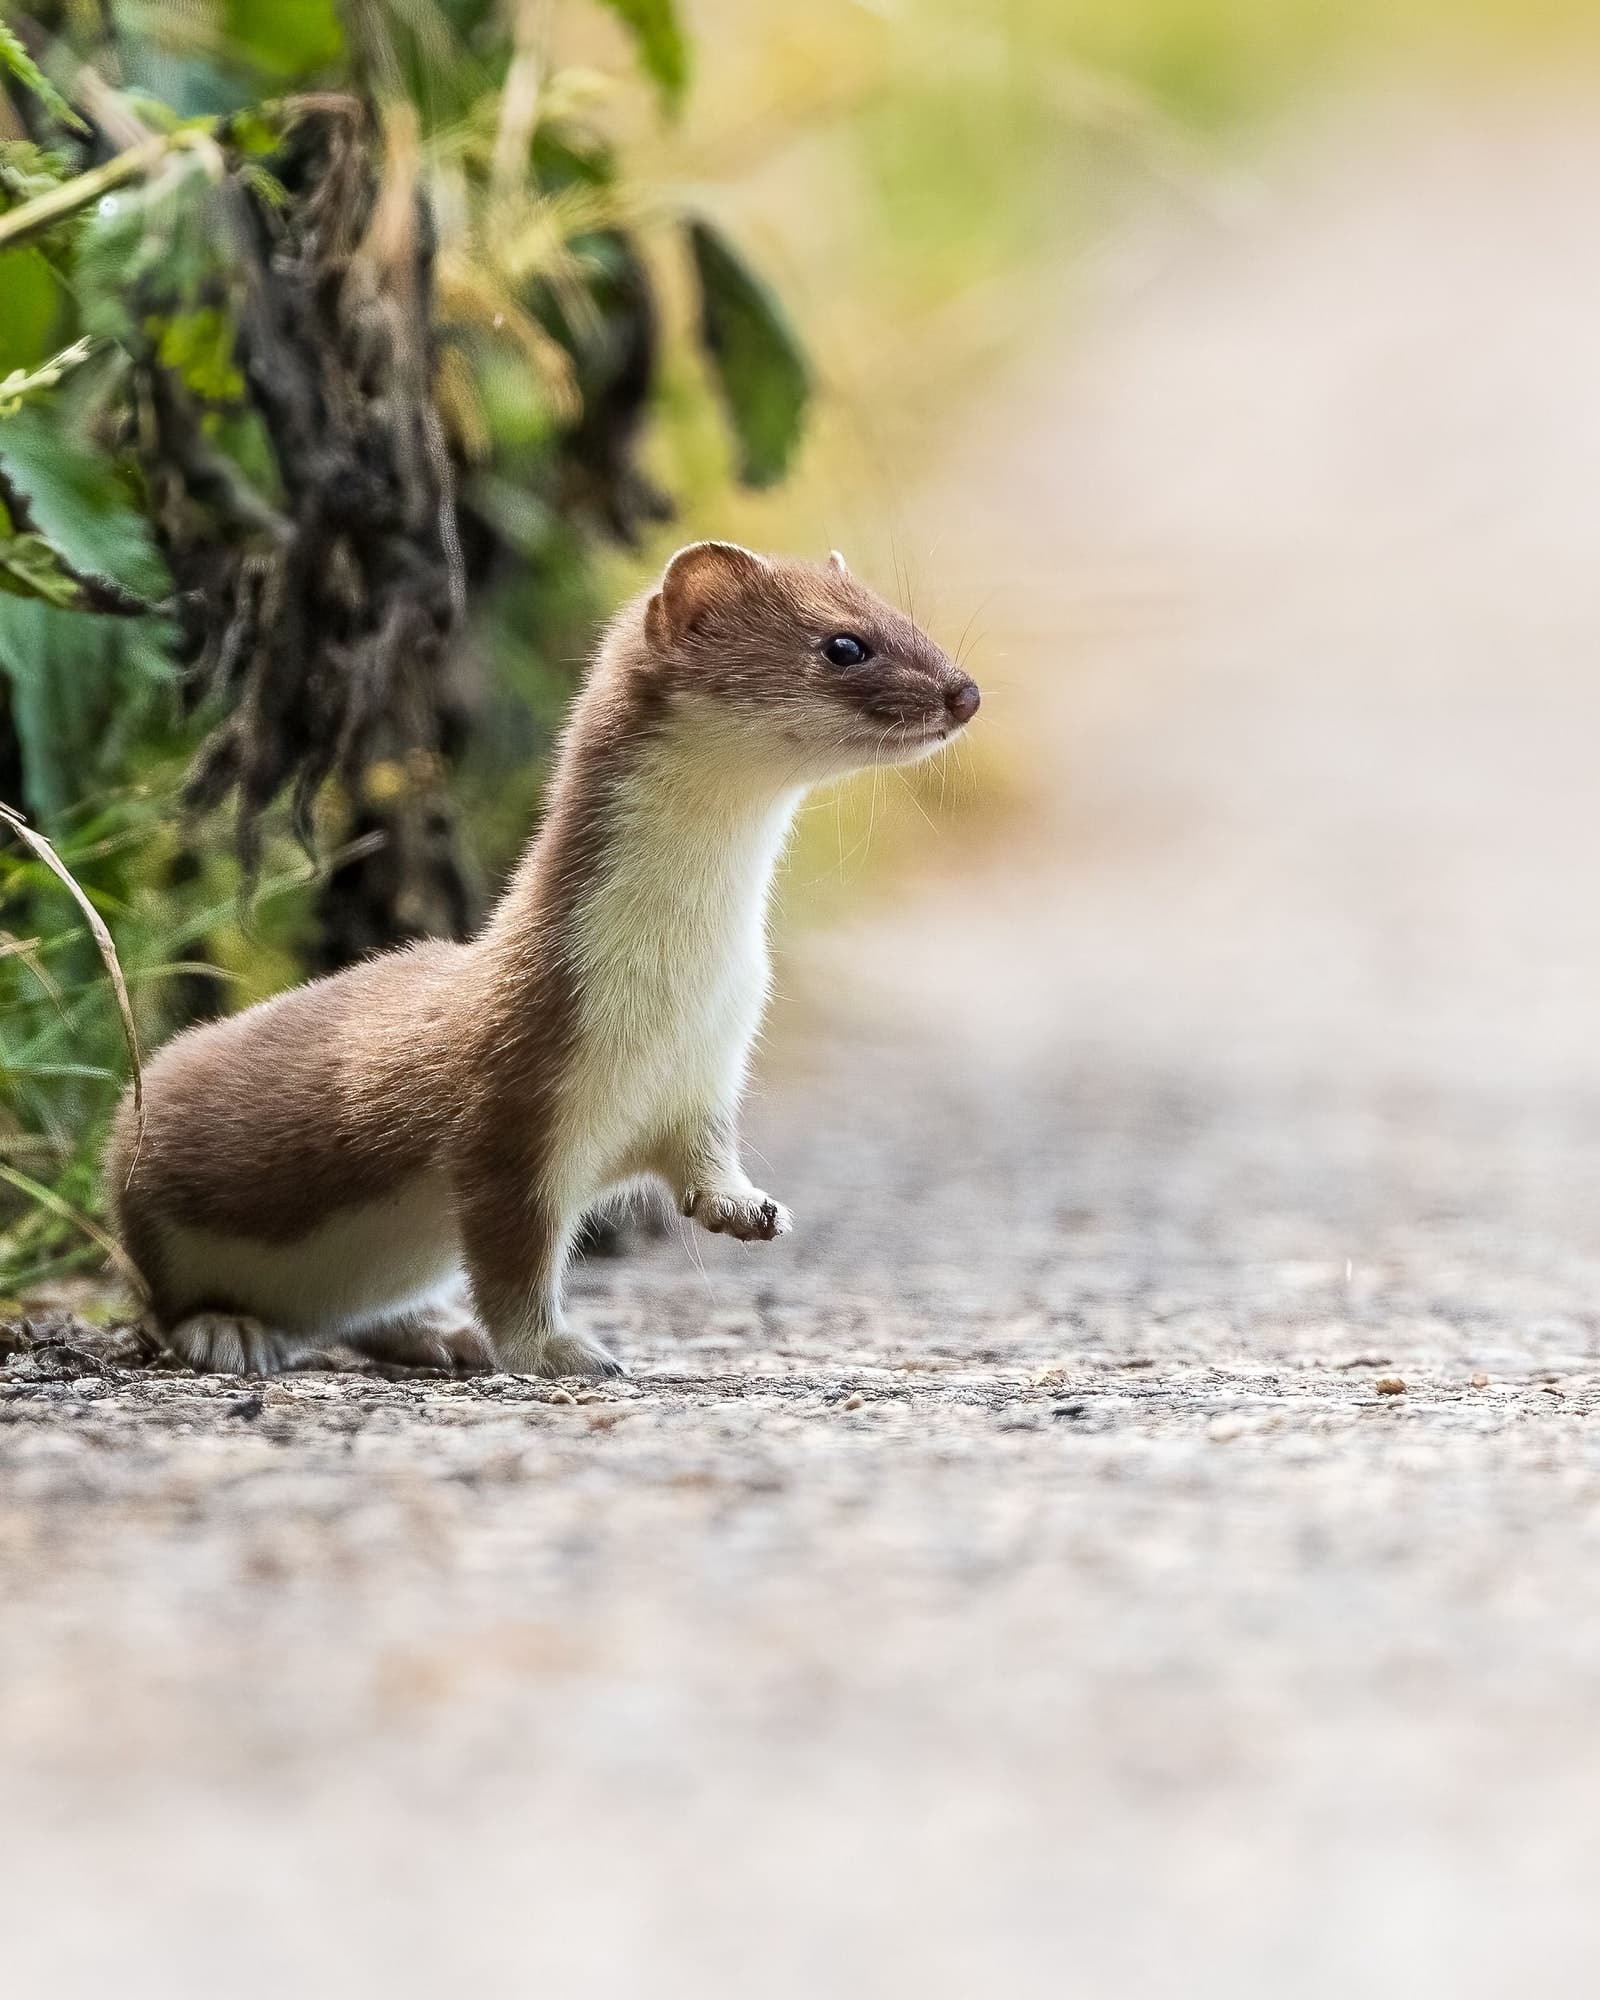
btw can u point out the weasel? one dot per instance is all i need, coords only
(325, 1166)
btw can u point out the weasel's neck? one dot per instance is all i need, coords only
(656, 858)
(681, 894)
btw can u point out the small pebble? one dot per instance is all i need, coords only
(853, 1402)
(1480, 1381)
(1390, 1385)
(562, 1396)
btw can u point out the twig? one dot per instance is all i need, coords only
(46, 210)
(28, 381)
(519, 101)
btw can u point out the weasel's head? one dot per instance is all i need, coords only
(802, 659)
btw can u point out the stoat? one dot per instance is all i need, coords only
(324, 1167)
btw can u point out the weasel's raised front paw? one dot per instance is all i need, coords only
(754, 1217)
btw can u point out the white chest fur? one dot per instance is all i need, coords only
(670, 950)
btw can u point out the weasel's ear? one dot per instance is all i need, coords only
(837, 562)
(698, 578)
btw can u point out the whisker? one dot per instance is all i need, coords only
(910, 791)
(977, 611)
(899, 577)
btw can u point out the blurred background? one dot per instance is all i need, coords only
(357, 359)
(1138, 1535)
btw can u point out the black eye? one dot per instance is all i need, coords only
(844, 649)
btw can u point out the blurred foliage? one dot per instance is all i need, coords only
(763, 377)
(328, 336)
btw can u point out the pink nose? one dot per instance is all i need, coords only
(962, 701)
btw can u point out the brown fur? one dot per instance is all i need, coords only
(263, 1123)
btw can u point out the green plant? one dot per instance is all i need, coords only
(327, 338)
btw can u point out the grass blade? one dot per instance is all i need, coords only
(58, 1205)
(41, 850)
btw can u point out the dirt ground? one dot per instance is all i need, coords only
(1139, 1536)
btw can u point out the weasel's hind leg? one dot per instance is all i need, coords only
(224, 1343)
(445, 1337)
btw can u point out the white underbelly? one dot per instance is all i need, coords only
(362, 1261)
(670, 948)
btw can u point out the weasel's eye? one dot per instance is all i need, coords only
(844, 649)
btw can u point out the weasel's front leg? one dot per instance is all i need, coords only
(516, 1249)
(712, 1188)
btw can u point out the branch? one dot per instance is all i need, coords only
(22, 382)
(46, 210)
(206, 138)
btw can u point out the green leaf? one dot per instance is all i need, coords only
(29, 567)
(662, 47)
(83, 689)
(14, 57)
(283, 38)
(27, 169)
(74, 501)
(198, 347)
(760, 367)
(251, 133)
(32, 297)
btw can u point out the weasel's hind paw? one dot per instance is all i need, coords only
(575, 1354)
(752, 1218)
(219, 1343)
(453, 1346)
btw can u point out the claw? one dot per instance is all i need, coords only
(752, 1218)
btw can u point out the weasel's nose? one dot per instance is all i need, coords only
(962, 701)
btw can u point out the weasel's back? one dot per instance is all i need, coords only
(264, 1123)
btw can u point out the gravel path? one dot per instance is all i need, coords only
(1140, 1536)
